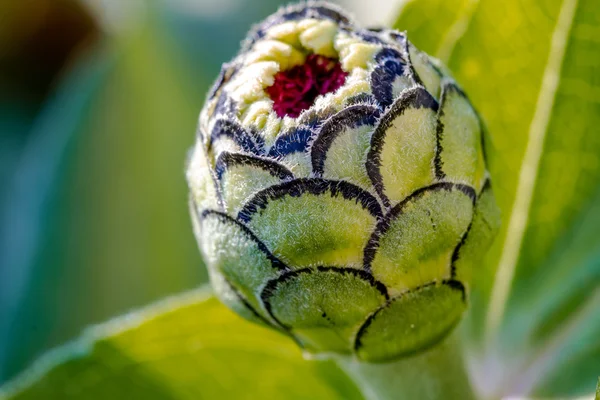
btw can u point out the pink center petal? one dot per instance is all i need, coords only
(296, 89)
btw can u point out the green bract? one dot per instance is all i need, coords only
(354, 226)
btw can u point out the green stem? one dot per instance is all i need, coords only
(438, 373)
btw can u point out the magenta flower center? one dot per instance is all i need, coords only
(296, 89)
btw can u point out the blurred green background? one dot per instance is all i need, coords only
(98, 107)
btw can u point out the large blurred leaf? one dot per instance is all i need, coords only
(188, 347)
(532, 68)
(35, 176)
(109, 222)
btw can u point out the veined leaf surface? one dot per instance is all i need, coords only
(186, 347)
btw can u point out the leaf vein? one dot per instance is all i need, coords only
(529, 170)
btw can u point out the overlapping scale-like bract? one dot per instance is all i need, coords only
(353, 227)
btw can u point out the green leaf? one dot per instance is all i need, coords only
(435, 25)
(186, 347)
(532, 70)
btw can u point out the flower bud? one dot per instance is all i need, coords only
(338, 186)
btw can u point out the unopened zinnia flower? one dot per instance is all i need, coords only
(338, 186)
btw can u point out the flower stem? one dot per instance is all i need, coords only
(438, 373)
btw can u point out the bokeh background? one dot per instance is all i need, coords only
(98, 108)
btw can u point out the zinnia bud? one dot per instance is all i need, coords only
(338, 186)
